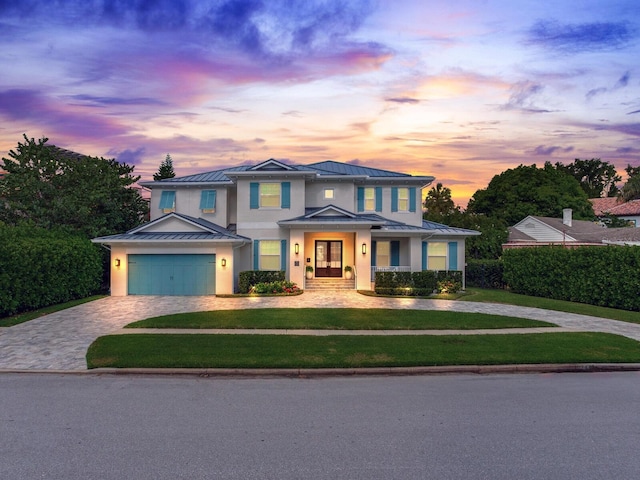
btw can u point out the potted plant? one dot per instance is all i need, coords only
(347, 272)
(309, 270)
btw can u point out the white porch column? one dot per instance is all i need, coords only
(224, 274)
(363, 260)
(296, 272)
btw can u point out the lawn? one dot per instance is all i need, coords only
(284, 351)
(337, 319)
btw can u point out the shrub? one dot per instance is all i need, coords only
(283, 286)
(485, 273)
(40, 267)
(249, 278)
(417, 283)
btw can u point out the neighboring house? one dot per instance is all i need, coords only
(535, 231)
(615, 207)
(207, 228)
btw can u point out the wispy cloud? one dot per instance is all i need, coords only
(576, 38)
(543, 150)
(522, 97)
(408, 100)
(622, 82)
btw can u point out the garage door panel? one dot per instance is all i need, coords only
(192, 274)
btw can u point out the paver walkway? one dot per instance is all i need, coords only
(59, 341)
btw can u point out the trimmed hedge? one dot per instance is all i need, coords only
(249, 278)
(604, 276)
(485, 273)
(417, 284)
(39, 268)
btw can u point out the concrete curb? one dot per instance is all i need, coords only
(348, 372)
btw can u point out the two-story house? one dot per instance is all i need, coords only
(206, 228)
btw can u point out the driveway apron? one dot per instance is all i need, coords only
(59, 341)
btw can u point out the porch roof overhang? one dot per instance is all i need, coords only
(332, 216)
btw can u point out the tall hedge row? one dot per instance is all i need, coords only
(604, 276)
(39, 268)
(484, 273)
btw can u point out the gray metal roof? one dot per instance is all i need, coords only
(442, 229)
(339, 168)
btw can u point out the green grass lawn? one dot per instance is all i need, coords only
(26, 316)
(283, 351)
(337, 319)
(503, 296)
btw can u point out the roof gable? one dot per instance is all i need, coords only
(330, 211)
(271, 165)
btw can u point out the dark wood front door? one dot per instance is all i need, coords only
(328, 258)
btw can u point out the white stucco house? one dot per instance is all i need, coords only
(205, 229)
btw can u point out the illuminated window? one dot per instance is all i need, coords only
(383, 254)
(403, 199)
(370, 199)
(270, 255)
(437, 256)
(329, 193)
(270, 195)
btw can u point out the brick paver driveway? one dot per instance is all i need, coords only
(59, 341)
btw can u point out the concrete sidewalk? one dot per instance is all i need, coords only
(59, 341)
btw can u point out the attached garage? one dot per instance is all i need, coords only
(167, 274)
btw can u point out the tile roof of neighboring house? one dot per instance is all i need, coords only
(327, 168)
(614, 206)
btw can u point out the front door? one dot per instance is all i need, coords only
(328, 258)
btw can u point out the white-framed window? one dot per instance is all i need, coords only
(270, 195)
(329, 193)
(437, 256)
(370, 199)
(403, 199)
(383, 254)
(270, 255)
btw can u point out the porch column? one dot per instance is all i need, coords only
(296, 272)
(415, 254)
(363, 260)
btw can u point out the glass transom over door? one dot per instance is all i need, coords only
(328, 258)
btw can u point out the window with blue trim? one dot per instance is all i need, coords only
(168, 201)
(208, 201)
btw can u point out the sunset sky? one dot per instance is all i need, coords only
(461, 90)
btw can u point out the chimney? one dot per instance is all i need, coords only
(567, 214)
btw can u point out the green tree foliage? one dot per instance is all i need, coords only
(529, 190)
(439, 202)
(631, 189)
(597, 178)
(49, 187)
(165, 170)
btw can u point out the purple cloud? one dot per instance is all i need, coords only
(108, 101)
(130, 157)
(542, 150)
(409, 100)
(522, 97)
(575, 38)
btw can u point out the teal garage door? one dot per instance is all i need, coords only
(172, 274)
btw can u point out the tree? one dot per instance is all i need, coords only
(439, 202)
(597, 178)
(529, 190)
(50, 187)
(631, 189)
(165, 170)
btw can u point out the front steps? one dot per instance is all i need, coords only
(329, 284)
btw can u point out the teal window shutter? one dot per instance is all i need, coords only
(395, 253)
(285, 200)
(254, 195)
(283, 255)
(424, 255)
(361, 199)
(394, 199)
(208, 200)
(412, 199)
(453, 255)
(168, 200)
(378, 199)
(256, 254)
(373, 253)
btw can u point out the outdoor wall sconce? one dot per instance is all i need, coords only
(223, 262)
(364, 248)
(296, 248)
(116, 262)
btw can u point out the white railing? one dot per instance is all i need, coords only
(402, 268)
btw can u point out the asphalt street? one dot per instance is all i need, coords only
(539, 426)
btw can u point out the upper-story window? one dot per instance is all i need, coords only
(329, 193)
(168, 201)
(270, 195)
(369, 199)
(208, 201)
(403, 199)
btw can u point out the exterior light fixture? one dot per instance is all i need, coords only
(223, 262)
(296, 248)
(116, 262)
(364, 248)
